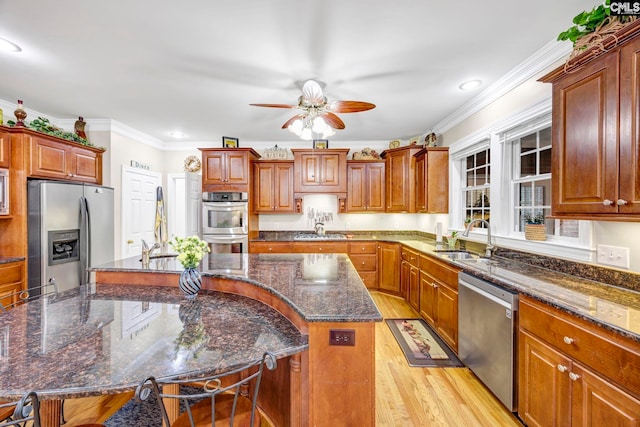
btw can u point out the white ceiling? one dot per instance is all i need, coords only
(196, 65)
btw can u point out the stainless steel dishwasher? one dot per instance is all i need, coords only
(487, 335)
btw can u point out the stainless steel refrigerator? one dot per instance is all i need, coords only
(70, 228)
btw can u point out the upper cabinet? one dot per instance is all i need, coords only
(432, 180)
(226, 169)
(273, 187)
(401, 178)
(365, 186)
(596, 133)
(320, 171)
(5, 148)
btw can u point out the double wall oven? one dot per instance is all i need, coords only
(225, 219)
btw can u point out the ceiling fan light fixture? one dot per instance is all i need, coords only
(307, 134)
(470, 84)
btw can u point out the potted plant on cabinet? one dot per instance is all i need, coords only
(534, 227)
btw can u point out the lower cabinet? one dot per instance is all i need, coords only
(11, 278)
(410, 278)
(438, 287)
(572, 373)
(364, 256)
(388, 263)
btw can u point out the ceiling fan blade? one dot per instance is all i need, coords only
(293, 119)
(275, 105)
(332, 120)
(350, 106)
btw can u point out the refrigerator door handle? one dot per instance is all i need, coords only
(84, 241)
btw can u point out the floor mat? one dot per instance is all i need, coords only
(421, 345)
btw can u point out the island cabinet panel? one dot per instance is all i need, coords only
(343, 372)
(11, 282)
(596, 134)
(320, 171)
(364, 256)
(49, 157)
(400, 179)
(590, 376)
(227, 169)
(273, 187)
(389, 267)
(432, 180)
(5, 149)
(365, 186)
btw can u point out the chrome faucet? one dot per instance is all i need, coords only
(147, 251)
(490, 248)
(319, 227)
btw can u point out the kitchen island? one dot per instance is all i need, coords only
(321, 295)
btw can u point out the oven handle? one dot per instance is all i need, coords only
(225, 239)
(224, 206)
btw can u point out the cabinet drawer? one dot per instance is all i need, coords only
(439, 271)
(410, 256)
(607, 353)
(363, 247)
(364, 262)
(10, 273)
(325, 247)
(370, 279)
(270, 247)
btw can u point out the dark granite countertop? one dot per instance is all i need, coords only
(8, 259)
(107, 338)
(319, 287)
(606, 297)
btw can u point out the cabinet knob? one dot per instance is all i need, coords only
(320, 249)
(435, 285)
(621, 202)
(562, 368)
(573, 376)
(568, 340)
(607, 202)
(363, 262)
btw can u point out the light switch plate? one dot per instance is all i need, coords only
(615, 256)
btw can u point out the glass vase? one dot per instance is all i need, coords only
(190, 282)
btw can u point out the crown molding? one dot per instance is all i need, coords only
(531, 67)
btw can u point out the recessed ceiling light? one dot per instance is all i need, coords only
(471, 84)
(7, 46)
(177, 134)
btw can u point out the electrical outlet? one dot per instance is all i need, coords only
(342, 337)
(615, 256)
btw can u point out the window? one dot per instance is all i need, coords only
(477, 190)
(531, 183)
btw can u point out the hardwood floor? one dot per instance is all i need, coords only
(405, 396)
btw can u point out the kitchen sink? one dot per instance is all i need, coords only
(314, 236)
(456, 255)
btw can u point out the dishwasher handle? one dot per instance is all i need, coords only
(487, 295)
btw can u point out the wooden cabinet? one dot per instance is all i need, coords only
(326, 247)
(410, 277)
(320, 171)
(227, 169)
(273, 187)
(400, 178)
(432, 180)
(365, 186)
(5, 148)
(11, 282)
(389, 267)
(50, 157)
(438, 283)
(572, 373)
(270, 247)
(364, 256)
(596, 134)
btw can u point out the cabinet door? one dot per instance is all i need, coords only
(630, 134)
(414, 288)
(585, 149)
(5, 149)
(10, 282)
(237, 168)
(283, 186)
(405, 271)
(388, 267)
(356, 187)
(543, 384)
(421, 188)
(49, 159)
(85, 165)
(428, 292)
(214, 167)
(447, 315)
(597, 402)
(375, 189)
(436, 180)
(397, 191)
(263, 187)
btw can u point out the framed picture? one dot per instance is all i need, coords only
(320, 143)
(228, 142)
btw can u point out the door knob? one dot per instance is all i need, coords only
(129, 242)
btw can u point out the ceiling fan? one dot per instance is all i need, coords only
(318, 116)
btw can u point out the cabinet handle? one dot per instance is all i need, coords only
(622, 202)
(562, 368)
(568, 340)
(607, 202)
(573, 376)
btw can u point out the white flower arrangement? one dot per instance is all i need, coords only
(190, 250)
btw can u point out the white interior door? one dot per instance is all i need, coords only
(138, 208)
(185, 204)
(193, 182)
